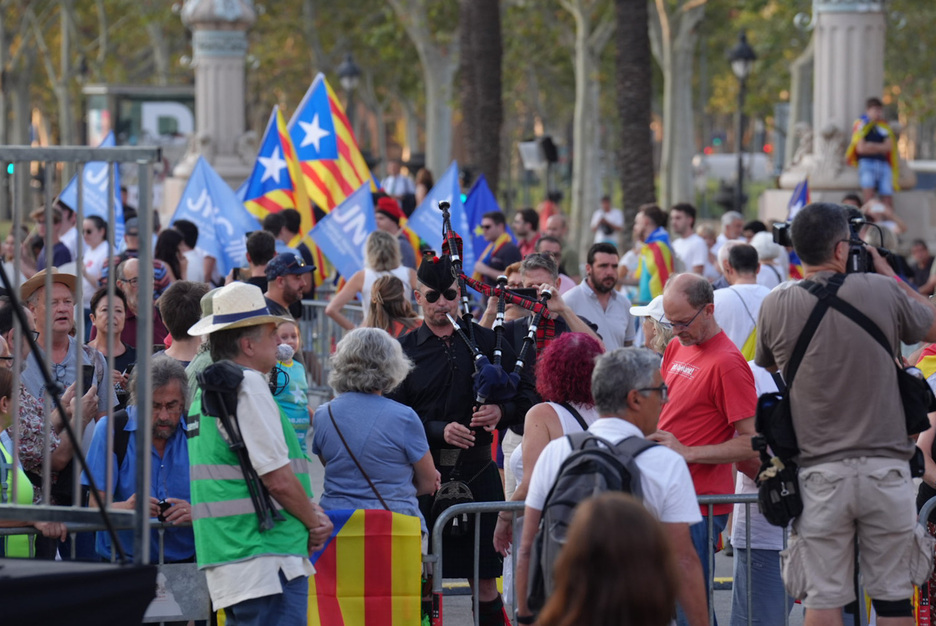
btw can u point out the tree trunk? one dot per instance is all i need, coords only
(412, 129)
(673, 40)
(634, 93)
(439, 60)
(160, 47)
(585, 173)
(62, 91)
(482, 106)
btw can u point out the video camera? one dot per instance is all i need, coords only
(859, 259)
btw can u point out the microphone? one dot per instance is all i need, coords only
(284, 352)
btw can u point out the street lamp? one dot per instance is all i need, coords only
(742, 59)
(349, 74)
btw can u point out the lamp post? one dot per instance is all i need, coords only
(742, 58)
(349, 74)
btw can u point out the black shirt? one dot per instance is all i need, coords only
(440, 388)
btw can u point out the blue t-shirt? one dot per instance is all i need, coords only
(170, 479)
(60, 256)
(293, 400)
(386, 437)
(65, 373)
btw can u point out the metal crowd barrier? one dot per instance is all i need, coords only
(477, 508)
(87, 163)
(320, 334)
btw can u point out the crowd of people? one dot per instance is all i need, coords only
(716, 319)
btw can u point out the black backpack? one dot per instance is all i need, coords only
(594, 466)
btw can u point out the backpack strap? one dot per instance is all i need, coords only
(580, 441)
(578, 416)
(121, 436)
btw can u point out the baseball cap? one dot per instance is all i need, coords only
(654, 310)
(132, 227)
(287, 263)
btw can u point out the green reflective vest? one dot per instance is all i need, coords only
(223, 516)
(15, 546)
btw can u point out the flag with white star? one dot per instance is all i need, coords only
(276, 181)
(331, 163)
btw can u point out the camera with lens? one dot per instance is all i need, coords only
(859, 259)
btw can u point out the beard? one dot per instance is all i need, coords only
(605, 286)
(164, 434)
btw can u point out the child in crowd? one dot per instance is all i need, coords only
(292, 397)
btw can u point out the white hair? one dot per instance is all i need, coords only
(729, 217)
(368, 360)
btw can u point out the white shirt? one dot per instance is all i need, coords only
(94, 261)
(614, 325)
(664, 476)
(769, 275)
(70, 239)
(371, 276)
(692, 250)
(263, 433)
(614, 217)
(764, 536)
(398, 185)
(736, 310)
(195, 268)
(569, 425)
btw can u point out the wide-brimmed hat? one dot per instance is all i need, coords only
(38, 281)
(236, 305)
(654, 310)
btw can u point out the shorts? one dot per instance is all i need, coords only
(874, 497)
(876, 174)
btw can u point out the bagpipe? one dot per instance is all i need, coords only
(492, 383)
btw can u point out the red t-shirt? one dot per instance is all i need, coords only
(710, 388)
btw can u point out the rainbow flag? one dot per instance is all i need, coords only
(655, 266)
(369, 572)
(276, 184)
(331, 163)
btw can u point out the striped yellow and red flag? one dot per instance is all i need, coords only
(655, 265)
(331, 163)
(369, 571)
(276, 183)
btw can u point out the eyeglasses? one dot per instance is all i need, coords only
(681, 325)
(59, 370)
(130, 281)
(298, 261)
(88, 231)
(487, 226)
(663, 389)
(432, 296)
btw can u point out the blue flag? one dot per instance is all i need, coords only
(426, 220)
(481, 200)
(341, 234)
(223, 222)
(95, 192)
(798, 200)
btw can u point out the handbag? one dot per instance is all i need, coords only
(354, 458)
(915, 393)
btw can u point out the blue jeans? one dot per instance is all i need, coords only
(700, 540)
(284, 609)
(767, 593)
(876, 174)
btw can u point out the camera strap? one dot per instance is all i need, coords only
(862, 320)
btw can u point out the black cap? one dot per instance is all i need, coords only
(436, 273)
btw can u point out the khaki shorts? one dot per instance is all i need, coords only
(873, 496)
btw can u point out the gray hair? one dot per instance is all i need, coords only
(619, 372)
(722, 255)
(729, 217)
(164, 370)
(368, 360)
(225, 344)
(698, 292)
(539, 261)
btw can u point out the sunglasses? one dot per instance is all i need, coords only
(432, 296)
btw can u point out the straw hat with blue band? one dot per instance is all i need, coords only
(236, 305)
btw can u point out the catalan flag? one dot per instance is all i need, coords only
(276, 184)
(655, 265)
(331, 163)
(860, 129)
(369, 572)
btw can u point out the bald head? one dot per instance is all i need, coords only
(556, 226)
(696, 289)
(688, 303)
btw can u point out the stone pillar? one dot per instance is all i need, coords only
(849, 60)
(219, 41)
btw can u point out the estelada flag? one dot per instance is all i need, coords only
(798, 200)
(655, 265)
(368, 572)
(331, 163)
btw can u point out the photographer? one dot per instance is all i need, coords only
(846, 411)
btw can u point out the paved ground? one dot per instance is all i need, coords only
(457, 608)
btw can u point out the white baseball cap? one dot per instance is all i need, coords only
(654, 310)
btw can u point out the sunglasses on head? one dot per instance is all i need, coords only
(297, 261)
(432, 295)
